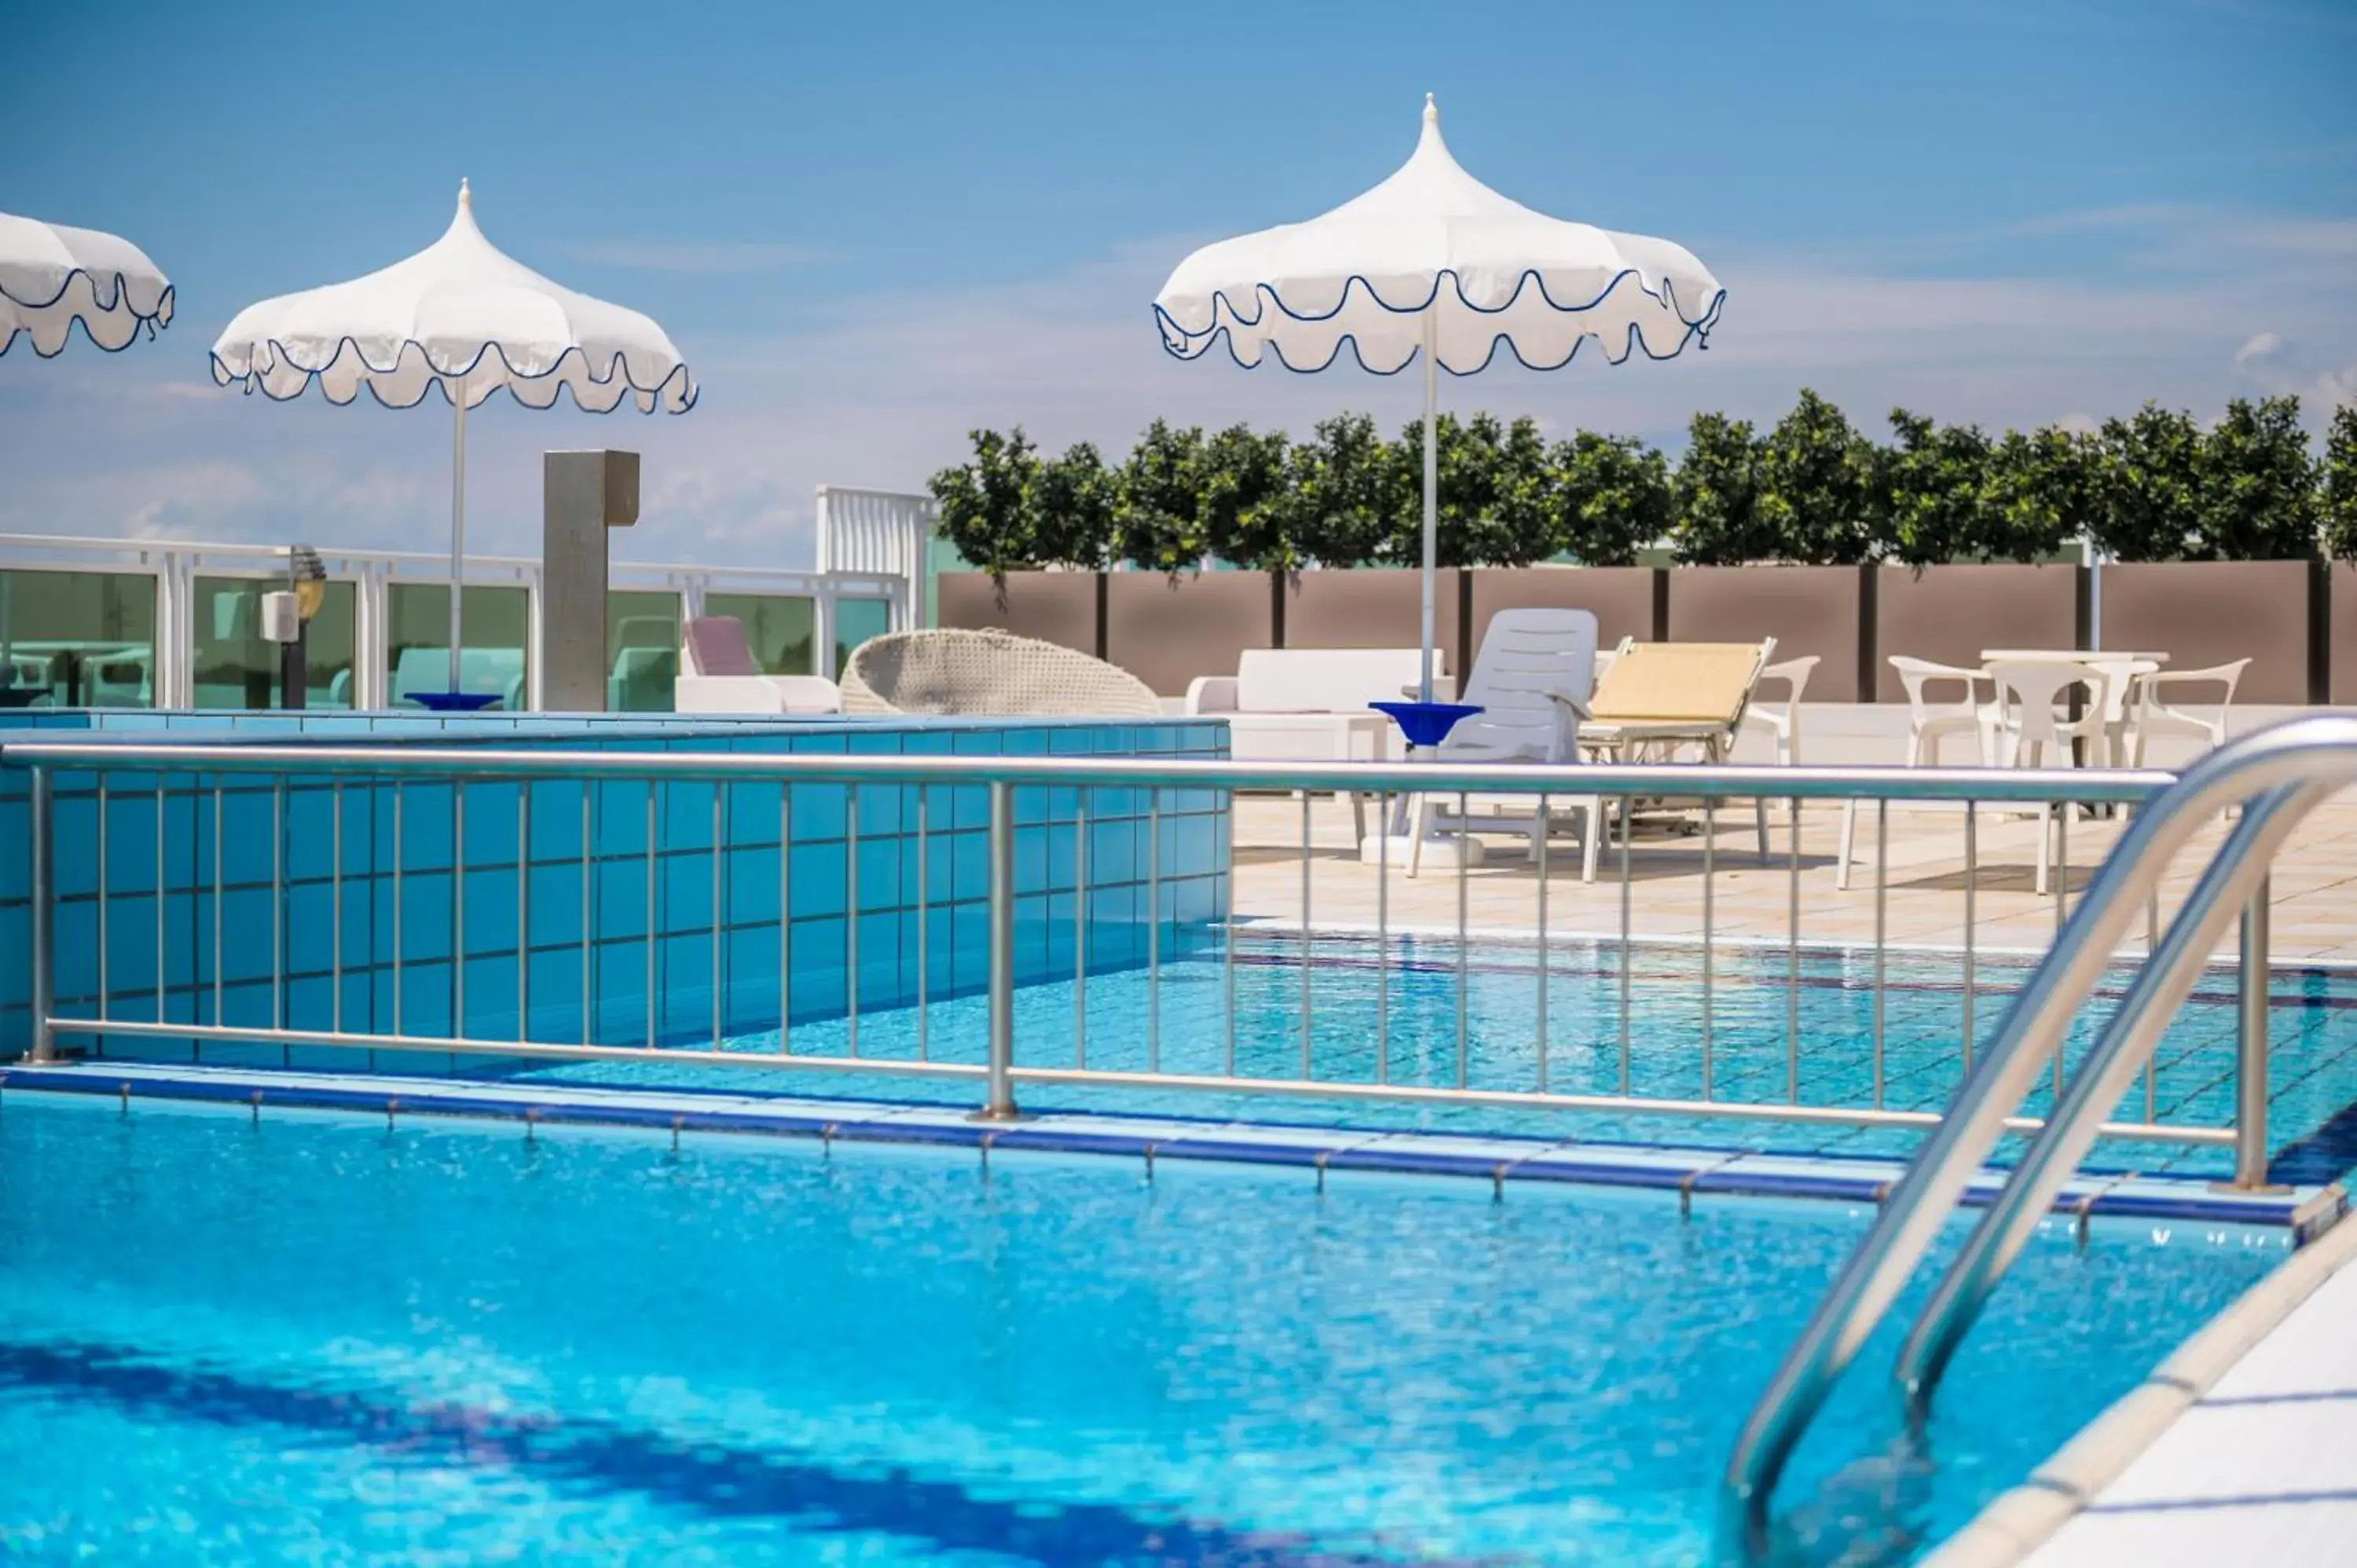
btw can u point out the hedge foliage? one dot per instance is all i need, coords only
(1812, 489)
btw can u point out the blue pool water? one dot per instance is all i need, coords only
(311, 1338)
(1772, 1038)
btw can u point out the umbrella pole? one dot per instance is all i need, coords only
(1431, 487)
(457, 517)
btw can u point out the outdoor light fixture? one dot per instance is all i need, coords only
(285, 616)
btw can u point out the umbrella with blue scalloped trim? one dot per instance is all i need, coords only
(462, 317)
(52, 276)
(1434, 264)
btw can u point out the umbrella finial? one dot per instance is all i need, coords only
(1430, 136)
(466, 198)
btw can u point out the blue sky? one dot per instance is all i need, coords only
(873, 227)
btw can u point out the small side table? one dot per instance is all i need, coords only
(1425, 726)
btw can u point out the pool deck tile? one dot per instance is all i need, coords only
(2261, 1469)
(1689, 1171)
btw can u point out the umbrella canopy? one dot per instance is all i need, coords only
(457, 313)
(461, 317)
(52, 276)
(1432, 263)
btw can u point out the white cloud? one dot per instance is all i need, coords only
(2257, 349)
(2330, 238)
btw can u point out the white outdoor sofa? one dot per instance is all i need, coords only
(1310, 704)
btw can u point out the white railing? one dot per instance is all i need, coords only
(175, 564)
(884, 531)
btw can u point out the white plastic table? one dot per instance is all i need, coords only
(2119, 668)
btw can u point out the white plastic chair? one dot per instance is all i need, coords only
(2031, 732)
(1930, 724)
(1531, 681)
(1781, 721)
(2149, 716)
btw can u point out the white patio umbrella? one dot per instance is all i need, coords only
(462, 317)
(52, 276)
(1433, 262)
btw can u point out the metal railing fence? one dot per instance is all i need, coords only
(971, 806)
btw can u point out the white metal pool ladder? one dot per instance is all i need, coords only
(2278, 775)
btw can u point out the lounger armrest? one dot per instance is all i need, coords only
(1211, 694)
(1444, 689)
(1577, 709)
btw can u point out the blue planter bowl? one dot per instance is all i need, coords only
(1427, 724)
(455, 701)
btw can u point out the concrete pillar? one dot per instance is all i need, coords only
(583, 494)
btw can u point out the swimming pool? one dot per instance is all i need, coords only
(1772, 1038)
(312, 1337)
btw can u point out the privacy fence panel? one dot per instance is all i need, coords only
(1807, 609)
(1165, 630)
(1054, 606)
(1950, 615)
(2203, 613)
(2296, 620)
(1624, 599)
(1378, 607)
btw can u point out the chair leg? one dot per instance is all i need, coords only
(2045, 846)
(1759, 810)
(1592, 834)
(1848, 841)
(1417, 811)
(1358, 815)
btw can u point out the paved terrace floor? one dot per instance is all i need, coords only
(2314, 887)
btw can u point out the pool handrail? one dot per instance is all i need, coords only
(2279, 774)
(2234, 880)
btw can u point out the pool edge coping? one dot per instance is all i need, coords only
(2019, 1522)
(2306, 1213)
(2127, 952)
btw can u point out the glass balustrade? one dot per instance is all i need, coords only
(780, 630)
(494, 642)
(234, 666)
(75, 640)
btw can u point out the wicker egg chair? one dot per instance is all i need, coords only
(988, 672)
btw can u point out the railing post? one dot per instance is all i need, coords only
(44, 926)
(999, 1104)
(2251, 1048)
